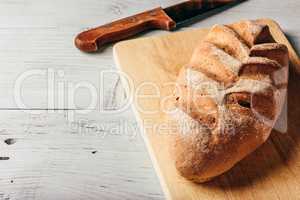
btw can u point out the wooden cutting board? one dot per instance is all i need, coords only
(271, 172)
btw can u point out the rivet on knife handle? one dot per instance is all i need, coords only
(91, 40)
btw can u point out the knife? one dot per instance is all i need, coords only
(166, 19)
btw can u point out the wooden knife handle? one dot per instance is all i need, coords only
(91, 40)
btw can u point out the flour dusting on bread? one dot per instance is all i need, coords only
(234, 89)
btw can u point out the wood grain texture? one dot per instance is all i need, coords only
(94, 39)
(272, 172)
(39, 34)
(54, 158)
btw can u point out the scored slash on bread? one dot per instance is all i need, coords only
(228, 99)
(273, 51)
(220, 35)
(253, 32)
(223, 67)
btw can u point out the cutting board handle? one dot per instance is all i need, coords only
(91, 40)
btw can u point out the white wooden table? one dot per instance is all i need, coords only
(62, 148)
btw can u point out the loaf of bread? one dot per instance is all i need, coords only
(228, 98)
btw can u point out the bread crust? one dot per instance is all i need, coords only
(233, 114)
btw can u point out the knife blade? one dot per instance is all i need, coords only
(168, 19)
(185, 12)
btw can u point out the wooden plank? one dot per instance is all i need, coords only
(272, 172)
(39, 35)
(93, 156)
